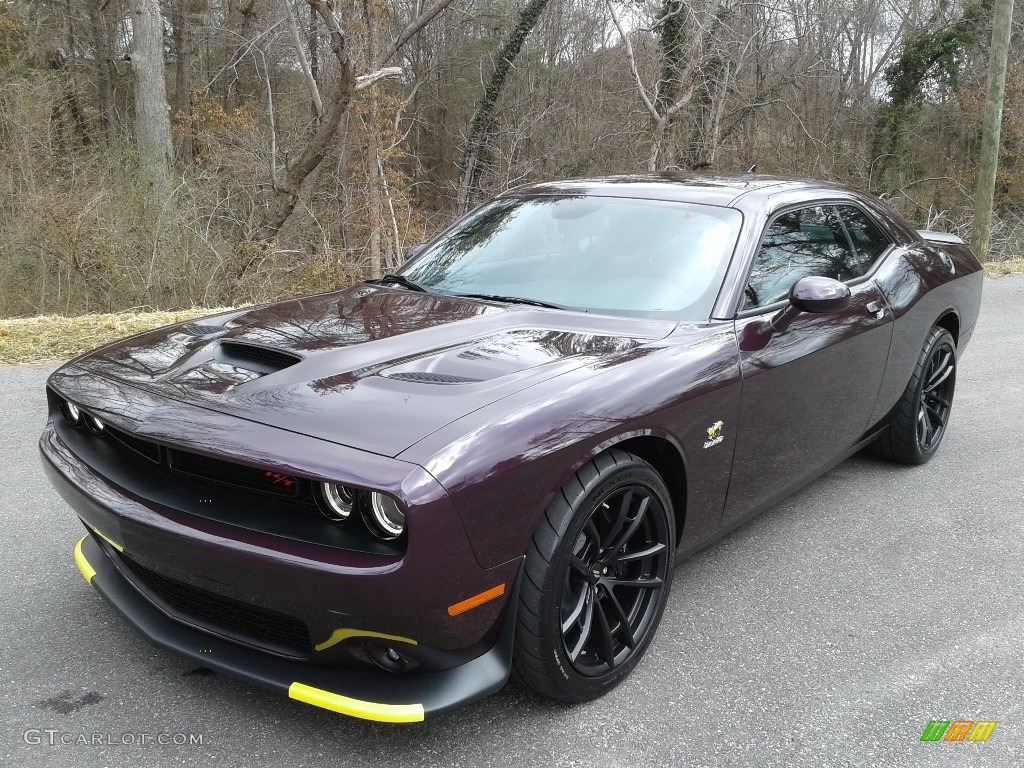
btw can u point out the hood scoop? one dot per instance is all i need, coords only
(426, 377)
(198, 329)
(254, 357)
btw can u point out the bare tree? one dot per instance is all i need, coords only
(152, 115)
(285, 192)
(476, 141)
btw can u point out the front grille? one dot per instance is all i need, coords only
(245, 622)
(234, 353)
(236, 475)
(144, 448)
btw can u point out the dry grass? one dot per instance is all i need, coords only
(54, 337)
(1003, 268)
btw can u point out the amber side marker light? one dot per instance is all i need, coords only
(475, 600)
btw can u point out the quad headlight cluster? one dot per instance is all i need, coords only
(381, 513)
(76, 417)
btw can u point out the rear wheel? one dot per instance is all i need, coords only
(919, 421)
(597, 579)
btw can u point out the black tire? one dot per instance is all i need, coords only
(920, 417)
(596, 581)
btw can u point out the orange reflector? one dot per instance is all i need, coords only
(475, 600)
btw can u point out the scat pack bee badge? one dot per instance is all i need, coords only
(715, 435)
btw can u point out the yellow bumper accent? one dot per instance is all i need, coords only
(345, 633)
(83, 565)
(368, 710)
(109, 541)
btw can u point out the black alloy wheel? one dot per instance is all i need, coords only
(920, 418)
(936, 399)
(597, 579)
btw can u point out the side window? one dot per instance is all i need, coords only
(801, 243)
(868, 241)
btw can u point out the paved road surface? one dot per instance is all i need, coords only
(827, 632)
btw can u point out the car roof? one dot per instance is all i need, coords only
(711, 189)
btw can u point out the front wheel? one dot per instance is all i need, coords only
(920, 418)
(597, 579)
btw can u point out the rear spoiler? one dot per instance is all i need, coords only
(940, 237)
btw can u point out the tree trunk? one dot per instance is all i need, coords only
(314, 61)
(103, 61)
(183, 76)
(152, 115)
(476, 142)
(989, 161)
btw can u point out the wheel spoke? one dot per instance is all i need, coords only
(577, 609)
(592, 535)
(620, 518)
(936, 416)
(624, 628)
(642, 583)
(588, 623)
(641, 554)
(606, 634)
(940, 374)
(578, 565)
(924, 428)
(620, 542)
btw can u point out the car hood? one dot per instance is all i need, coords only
(370, 367)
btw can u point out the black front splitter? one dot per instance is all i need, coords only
(368, 694)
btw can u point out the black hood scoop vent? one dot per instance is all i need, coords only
(198, 329)
(425, 377)
(254, 357)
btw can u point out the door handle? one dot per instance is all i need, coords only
(875, 308)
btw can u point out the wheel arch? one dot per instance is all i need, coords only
(951, 322)
(666, 458)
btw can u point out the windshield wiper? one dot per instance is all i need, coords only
(402, 281)
(507, 299)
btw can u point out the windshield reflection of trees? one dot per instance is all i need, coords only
(479, 230)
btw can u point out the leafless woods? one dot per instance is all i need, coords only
(176, 152)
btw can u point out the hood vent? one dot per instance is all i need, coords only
(425, 377)
(198, 329)
(254, 357)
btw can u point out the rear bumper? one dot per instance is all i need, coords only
(368, 694)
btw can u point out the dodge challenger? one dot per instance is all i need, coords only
(387, 499)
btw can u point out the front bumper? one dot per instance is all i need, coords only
(426, 603)
(367, 694)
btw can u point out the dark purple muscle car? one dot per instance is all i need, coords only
(387, 499)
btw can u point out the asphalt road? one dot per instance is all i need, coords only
(828, 632)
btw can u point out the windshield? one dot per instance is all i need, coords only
(644, 258)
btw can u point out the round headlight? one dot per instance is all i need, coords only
(337, 500)
(72, 415)
(94, 424)
(387, 520)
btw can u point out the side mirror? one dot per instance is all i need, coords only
(415, 251)
(818, 295)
